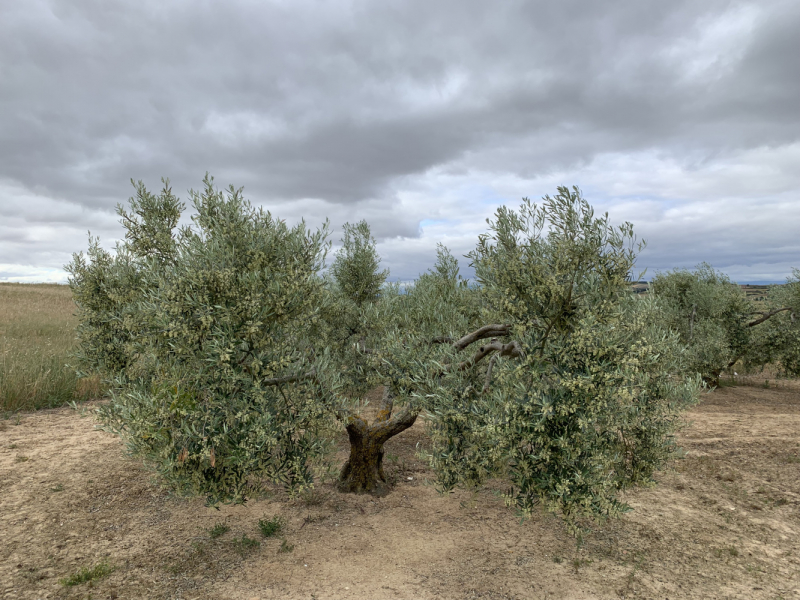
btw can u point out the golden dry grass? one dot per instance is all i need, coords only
(37, 334)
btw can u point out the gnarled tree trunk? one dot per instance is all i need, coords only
(363, 471)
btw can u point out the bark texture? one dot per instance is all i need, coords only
(363, 471)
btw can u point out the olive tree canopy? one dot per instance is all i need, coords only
(234, 362)
(561, 381)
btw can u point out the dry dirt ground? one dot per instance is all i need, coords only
(724, 522)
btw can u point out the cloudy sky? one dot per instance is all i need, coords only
(421, 117)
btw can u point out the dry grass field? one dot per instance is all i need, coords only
(37, 333)
(80, 520)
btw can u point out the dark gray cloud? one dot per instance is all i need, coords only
(384, 110)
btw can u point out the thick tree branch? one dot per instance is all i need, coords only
(289, 378)
(733, 362)
(400, 422)
(512, 349)
(487, 331)
(768, 315)
(385, 408)
(356, 425)
(380, 431)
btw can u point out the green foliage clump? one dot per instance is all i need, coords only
(719, 325)
(245, 545)
(194, 332)
(709, 312)
(777, 339)
(347, 322)
(355, 266)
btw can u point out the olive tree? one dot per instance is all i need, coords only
(455, 307)
(563, 383)
(720, 326)
(355, 268)
(212, 388)
(240, 360)
(346, 324)
(777, 341)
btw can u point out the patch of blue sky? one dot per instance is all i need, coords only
(430, 222)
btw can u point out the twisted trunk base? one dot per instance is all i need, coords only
(363, 471)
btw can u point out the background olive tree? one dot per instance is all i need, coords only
(720, 326)
(777, 340)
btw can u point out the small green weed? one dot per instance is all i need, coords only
(285, 546)
(85, 574)
(218, 530)
(13, 446)
(558, 560)
(22, 459)
(245, 545)
(58, 488)
(271, 527)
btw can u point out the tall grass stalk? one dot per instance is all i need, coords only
(37, 334)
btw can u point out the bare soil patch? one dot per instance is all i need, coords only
(724, 522)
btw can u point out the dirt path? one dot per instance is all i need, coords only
(723, 523)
